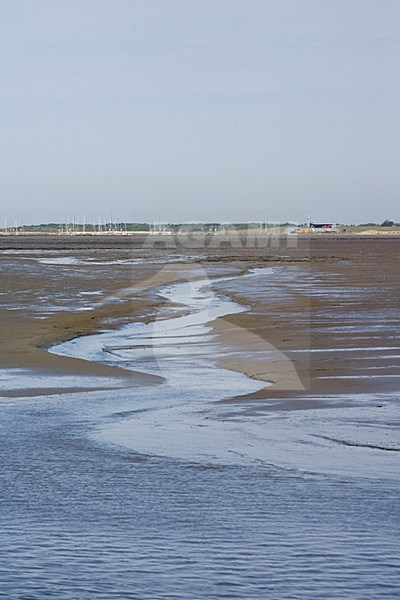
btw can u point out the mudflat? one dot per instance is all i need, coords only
(327, 321)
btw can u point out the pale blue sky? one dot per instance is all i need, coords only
(200, 109)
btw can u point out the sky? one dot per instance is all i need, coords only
(200, 110)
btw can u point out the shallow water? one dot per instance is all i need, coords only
(183, 421)
(153, 493)
(84, 520)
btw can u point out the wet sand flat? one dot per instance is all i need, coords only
(328, 316)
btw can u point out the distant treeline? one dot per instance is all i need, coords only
(122, 227)
(385, 223)
(141, 227)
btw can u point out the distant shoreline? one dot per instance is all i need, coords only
(30, 240)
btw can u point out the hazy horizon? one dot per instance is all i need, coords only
(200, 111)
(102, 224)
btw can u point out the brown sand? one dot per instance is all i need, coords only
(357, 313)
(27, 339)
(366, 269)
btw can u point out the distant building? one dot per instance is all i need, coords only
(322, 227)
(315, 227)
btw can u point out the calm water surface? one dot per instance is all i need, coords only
(81, 520)
(86, 519)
